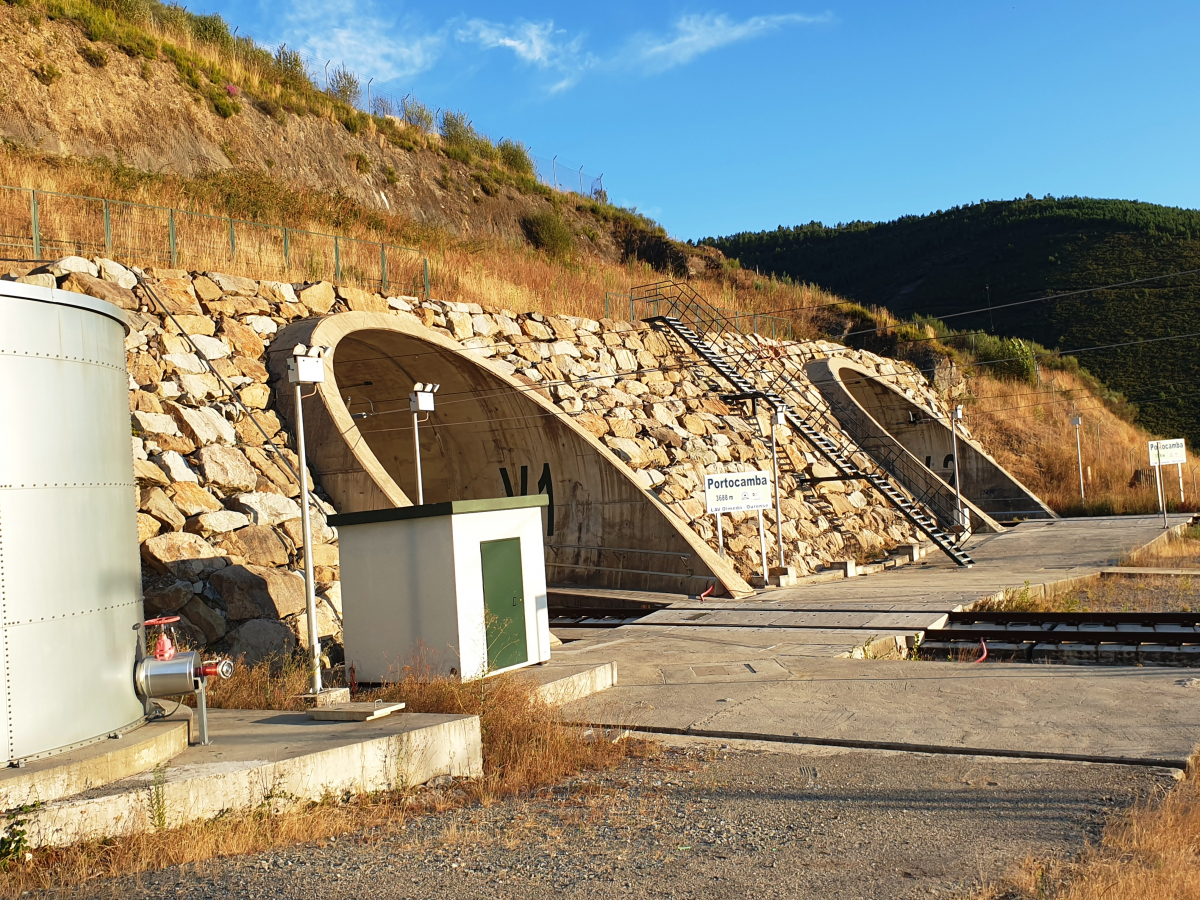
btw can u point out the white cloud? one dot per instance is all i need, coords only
(694, 35)
(355, 34)
(539, 44)
(376, 39)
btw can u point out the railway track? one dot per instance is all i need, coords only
(1123, 638)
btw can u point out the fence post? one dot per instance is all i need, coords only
(631, 307)
(108, 250)
(606, 304)
(382, 267)
(425, 260)
(337, 259)
(171, 236)
(35, 225)
(287, 253)
(232, 241)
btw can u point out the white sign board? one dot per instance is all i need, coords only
(1169, 453)
(737, 492)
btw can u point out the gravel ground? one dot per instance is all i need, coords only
(706, 821)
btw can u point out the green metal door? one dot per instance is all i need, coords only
(504, 603)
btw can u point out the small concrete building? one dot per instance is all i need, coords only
(456, 588)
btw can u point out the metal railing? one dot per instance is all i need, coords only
(147, 235)
(680, 300)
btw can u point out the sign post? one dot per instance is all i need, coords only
(739, 492)
(1167, 453)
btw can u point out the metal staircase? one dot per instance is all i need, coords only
(839, 457)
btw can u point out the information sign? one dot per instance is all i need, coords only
(737, 492)
(1168, 453)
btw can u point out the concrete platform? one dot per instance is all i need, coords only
(564, 683)
(90, 767)
(262, 757)
(1124, 715)
(769, 667)
(1135, 571)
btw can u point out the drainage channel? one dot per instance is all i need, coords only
(1110, 638)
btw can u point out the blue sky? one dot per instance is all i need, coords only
(719, 118)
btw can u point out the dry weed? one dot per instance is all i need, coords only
(1028, 429)
(526, 745)
(1150, 853)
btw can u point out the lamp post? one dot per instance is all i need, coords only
(778, 417)
(420, 401)
(956, 415)
(307, 366)
(1077, 420)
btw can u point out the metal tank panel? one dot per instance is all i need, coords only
(70, 575)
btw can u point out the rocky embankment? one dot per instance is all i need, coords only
(218, 517)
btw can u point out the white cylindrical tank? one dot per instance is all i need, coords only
(70, 575)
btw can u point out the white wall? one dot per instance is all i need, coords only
(398, 589)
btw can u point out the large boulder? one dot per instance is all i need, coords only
(227, 468)
(166, 598)
(318, 297)
(258, 592)
(192, 499)
(217, 522)
(260, 640)
(205, 619)
(184, 555)
(321, 533)
(82, 283)
(234, 284)
(265, 508)
(258, 545)
(204, 425)
(158, 505)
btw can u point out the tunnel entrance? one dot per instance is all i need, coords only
(491, 435)
(894, 423)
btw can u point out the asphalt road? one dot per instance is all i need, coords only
(704, 822)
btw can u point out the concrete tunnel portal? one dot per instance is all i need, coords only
(912, 440)
(491, 435)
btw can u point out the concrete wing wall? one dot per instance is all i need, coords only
(491, 436)
(900, 427)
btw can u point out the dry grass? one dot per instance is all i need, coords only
(526, 746)
(1150, 853)
(1180, 551)
(485, 270)
(1028, 429)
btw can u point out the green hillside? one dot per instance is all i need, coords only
(999, 252)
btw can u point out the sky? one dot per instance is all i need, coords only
(723, 117)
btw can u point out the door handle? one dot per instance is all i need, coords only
(516, 600)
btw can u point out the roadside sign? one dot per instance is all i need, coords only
(1168, 453)
(737, 492)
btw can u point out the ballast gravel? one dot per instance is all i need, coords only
(706, 822)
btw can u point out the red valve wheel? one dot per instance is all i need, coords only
(163, 620)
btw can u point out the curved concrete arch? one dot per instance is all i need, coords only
(490, 436)
(920, 447)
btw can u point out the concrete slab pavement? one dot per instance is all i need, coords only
(767, 667)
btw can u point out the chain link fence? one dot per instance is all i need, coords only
(48, 225)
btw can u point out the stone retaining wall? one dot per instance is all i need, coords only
(218, 517)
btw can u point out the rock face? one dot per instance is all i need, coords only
(218, 520)
(259, 592)
(261, 640)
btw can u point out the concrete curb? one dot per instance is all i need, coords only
(168, 797)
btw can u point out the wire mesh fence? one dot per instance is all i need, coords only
(48, 225)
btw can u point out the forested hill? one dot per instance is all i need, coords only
(998, 252)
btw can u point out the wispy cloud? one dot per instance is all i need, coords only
(539, 44)
(375, 39)
(694, 35)
(356, 34)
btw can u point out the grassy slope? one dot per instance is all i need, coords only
(942, 263)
